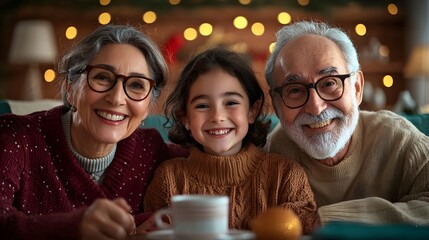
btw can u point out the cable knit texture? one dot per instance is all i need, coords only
(253, 180)
(43, 189)
(384, 177)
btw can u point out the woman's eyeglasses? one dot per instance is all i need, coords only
(101, 80)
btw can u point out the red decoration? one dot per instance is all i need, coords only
(172, 47)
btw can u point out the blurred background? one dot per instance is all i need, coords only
(391, 36)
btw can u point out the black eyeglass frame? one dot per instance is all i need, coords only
(88, 69)
(342, 77)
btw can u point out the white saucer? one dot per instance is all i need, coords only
(168, 234)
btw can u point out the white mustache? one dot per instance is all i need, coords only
(327, 114)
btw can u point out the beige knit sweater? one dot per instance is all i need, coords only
(384, 177)
(253, 180)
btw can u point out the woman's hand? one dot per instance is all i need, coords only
(107, 219)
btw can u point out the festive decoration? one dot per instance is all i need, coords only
(172, 46)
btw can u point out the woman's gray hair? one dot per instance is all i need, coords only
(289, 32)
(74, 62)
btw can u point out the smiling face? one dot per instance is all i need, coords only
(322, 128)
(103, 119)
(218, 113)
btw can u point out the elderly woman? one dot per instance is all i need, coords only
(80, 171)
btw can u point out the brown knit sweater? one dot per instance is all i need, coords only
(253, 180)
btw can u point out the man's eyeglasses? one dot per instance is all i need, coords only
(101, 80)
(329, 88)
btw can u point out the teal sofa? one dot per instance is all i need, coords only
(157, 121)
(421, 121)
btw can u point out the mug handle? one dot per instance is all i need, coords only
(158, 218)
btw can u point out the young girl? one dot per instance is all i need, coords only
(215, 112)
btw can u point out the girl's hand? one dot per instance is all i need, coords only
(107, 219)
(149, 225)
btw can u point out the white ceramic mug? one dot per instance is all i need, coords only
(196, 216)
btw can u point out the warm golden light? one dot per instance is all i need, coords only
(258, 29)
(303, 2)
(388, 81)
(284, 18)
(71, 32)
(360, 29)
(272, 46)
(104, 2)
(149, 17)
(190, 34)
(240, 22)
(174, 2)
(240, 47)
(418, 62)
(245, 2)
(206, 29)
(384, 51)
(104, 18)
(49, 75)
(392, 9)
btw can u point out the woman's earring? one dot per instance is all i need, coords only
(73, 109)
(187, 126)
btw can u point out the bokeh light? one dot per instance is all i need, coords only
(384, 51)
(240, 22)
(360, 29)
(49, 75)
(71, 32)
(388, 81)
(284, 18)
(392, 9)
(149, 17)
(104, 2)
(206, 29)
(190, 34)
(258, 29)
(245, 2)
(104, 18)
(174, 2)
(271, 47)
(303, 2)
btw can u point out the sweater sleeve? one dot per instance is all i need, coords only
(16, 225)
(376, 210)
(296, 194)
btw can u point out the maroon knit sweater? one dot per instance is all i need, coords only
(44, 191)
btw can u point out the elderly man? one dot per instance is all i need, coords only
(363, 166)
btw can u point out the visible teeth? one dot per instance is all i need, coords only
(111, 117)
(320, 124)
(219, 132)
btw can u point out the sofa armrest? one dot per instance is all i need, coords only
(22, 107)
(421, 121)
(4, 107)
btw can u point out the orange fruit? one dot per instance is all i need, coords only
(277, 224)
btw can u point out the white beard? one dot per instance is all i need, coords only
(327, 144)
